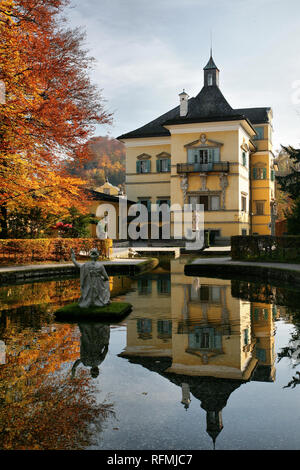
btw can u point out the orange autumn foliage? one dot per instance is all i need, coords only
(51, 107)
(41, 406)
(106, 160)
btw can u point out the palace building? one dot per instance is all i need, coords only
(204, 151)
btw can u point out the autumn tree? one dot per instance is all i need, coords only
(50, 111)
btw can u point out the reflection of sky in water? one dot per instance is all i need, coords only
(148, 409)
(258, 415)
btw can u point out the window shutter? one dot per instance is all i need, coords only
(244, 159)
(265, 173)
(149, 205)
(169, 164)
(138, 166)
(272, 175)
(158, 167)
(191, 156)
(216, 155)
(148, 166)
(254, 173)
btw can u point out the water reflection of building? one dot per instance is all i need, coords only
(150, 325)
(201, 338)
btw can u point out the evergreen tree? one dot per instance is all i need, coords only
(291, 183)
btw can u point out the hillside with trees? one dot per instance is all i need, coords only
(105, 158)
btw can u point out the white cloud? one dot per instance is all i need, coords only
(147, 52)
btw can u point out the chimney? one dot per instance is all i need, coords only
(184, 99)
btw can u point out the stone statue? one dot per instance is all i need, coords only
(93, 346)
(102, 227)
(94, 281)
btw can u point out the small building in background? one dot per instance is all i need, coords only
(96, 199)
(108, 188)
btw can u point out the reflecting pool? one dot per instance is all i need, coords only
(200, 363)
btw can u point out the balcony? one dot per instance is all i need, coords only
(202, 167)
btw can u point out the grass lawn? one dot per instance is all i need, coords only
(112, 312)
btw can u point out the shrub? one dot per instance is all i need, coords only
(20, 251)
(266, 247)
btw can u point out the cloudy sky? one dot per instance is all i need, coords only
(147, 51)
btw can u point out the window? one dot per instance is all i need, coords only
(163, 286)
(143, 166)
(244, 232)
(144, 325)
(146, 202)
(164, 328)
(260, 207)
(244, 203)
(244, 159)
(260, 133)
(144, 328)
(205, 338)
(209, 79)
(203, 155)
(259, 173)
(211, 294)
(159, 202)
(204, 200)
(144, 286)
(210, 203)
(163, 165)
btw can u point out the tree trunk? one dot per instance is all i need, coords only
(3, 222)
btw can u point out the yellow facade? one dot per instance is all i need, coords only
(237, 189)
(243, 331)
(108, 188)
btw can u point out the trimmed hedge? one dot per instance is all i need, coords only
(266, 247)
(18, 251)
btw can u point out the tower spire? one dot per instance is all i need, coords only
(211, 71)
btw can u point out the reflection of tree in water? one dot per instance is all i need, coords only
(292, 352)
(41, 406)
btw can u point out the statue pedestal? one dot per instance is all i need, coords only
(113, 312)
